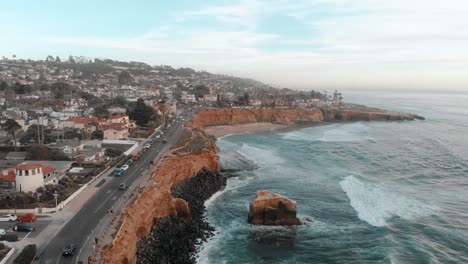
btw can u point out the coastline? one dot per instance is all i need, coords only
(199, 152)
(223, 130)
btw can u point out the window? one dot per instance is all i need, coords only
(26, 173)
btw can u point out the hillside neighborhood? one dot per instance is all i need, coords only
(64, 121)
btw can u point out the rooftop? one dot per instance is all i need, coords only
(70, 143)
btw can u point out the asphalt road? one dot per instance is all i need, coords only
(82, 224)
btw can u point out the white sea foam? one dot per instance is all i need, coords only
(331, 133)
(376, 204)
(214, 243)
(259, 155)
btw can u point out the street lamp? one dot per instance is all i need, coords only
(56, 196)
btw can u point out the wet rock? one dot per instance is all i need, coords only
(174, 239)
(270, 208)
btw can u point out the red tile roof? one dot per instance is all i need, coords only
(28, 166)
(118, 116)
(46, 170)
(8, 175)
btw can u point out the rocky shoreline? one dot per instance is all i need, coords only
(174, 239)
(167, 221)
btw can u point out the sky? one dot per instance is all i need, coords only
(304, 44)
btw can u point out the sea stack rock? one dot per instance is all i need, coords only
(270, 208)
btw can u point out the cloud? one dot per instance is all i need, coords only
(346, 42)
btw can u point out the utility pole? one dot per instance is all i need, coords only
(38, 131)
(56, 198)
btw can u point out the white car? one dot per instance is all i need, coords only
(8, 218)
(147, 145)
(158, 136)
(124, 167)
(2, 232)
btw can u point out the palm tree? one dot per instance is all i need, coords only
(12, 126)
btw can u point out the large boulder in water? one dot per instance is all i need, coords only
(270, 208)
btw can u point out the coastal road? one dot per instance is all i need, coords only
(82, 224)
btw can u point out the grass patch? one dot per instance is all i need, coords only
(184, 139)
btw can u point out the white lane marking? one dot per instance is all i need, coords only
(27, 235)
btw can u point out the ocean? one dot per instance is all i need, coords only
(367, 192)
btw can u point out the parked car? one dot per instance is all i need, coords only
(144, 150)
(2, 232)
(8, 218)
(68, 250)
(23, 227)
(135, 157)
(147, 145)
(124, 167)
(123, 186)
(158, 136)
(27, 218)
(164, 140)
(118, 172)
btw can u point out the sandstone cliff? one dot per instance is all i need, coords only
(270, 208)
(156, 201)
(216, 117)
(234, 116)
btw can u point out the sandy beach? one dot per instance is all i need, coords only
(219, 131)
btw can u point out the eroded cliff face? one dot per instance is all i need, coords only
(156, 201)
(331, 115)
(216, 117)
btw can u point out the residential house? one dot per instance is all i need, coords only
(8, 178)
(30, 176)
(68, 147)
(188, 98)
(90, 154)
(115, 131)
(210, 97)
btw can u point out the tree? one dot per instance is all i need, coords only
(201, 90)
(21, 88)
(38, 152)
(12, 126)
(97, 134)
(142, 113)
(124, 78)
(50, 58)
(71, 59)
(34, 134)
(61, 89)
(57, 59)
(120, 101)
(3, 86)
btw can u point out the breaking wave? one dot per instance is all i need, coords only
(375, 204)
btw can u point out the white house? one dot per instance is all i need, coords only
(30, 176)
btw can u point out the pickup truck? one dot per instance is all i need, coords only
(118, 172)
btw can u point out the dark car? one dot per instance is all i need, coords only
(123, 186)
(68, 250)
(23, 227)
(164, 141)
